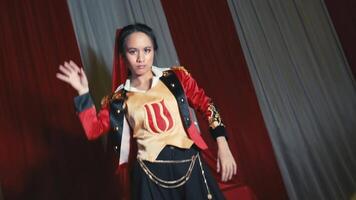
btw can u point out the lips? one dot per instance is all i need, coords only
(141, 66)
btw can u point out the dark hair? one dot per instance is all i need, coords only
(132, 28)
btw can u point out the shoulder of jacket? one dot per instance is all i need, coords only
(117, 95)
(179, 69)
(105, 101)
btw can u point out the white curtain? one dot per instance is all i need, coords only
(306, 92)
(95, 23)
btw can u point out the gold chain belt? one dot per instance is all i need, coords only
(173, 183)
(172, 161)
(178, 182)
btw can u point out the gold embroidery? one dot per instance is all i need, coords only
(180, 68)
(105, 101)
(165, 73)
(214, 118)
(117, 95)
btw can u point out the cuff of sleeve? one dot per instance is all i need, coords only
(83, 102)
(218, 131)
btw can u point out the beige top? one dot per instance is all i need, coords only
(155, 120)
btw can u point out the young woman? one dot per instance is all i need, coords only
(151, 109)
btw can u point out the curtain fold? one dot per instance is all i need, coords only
(306, 92)
(207, 44)
(43, 151)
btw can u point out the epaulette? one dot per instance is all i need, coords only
(180, 68)
(105, 101)
(118, 95)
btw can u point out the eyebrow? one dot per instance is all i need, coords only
(129, 48)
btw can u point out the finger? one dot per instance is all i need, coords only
(218, 165)
(231, 169)
(69, 67)
(83, 76)
(227, 172)
(224, 172)
(64, 70)
(227, 175)
(75, 66)
(235, 168)
(82, 73)
(62, 77)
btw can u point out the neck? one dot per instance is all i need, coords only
(142, 82)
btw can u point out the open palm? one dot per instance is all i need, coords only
(73, 75)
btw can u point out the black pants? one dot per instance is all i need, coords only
(143, 188)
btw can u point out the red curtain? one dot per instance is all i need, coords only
(43, 152)
(207, 44)
(342, 13)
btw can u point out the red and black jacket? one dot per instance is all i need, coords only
(185, 90)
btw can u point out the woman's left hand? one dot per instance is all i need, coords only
(226, 163)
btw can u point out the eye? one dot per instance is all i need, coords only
(132, 51)
(147, 50)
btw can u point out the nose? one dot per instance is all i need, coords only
(140, 57)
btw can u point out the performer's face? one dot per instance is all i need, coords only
(139, 54)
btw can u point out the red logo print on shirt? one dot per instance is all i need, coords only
(159, 118)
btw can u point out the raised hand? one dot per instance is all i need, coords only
(73, 75)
